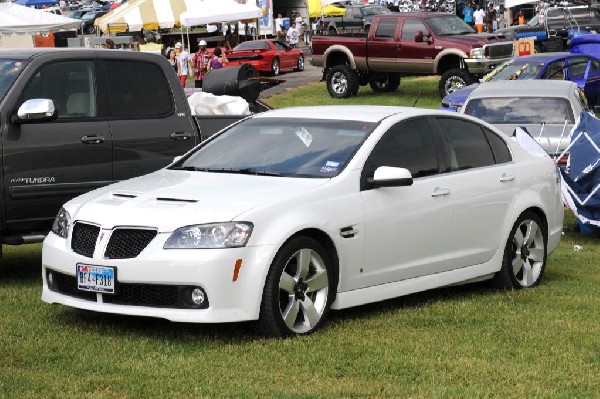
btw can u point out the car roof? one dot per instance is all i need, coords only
(364, 113)
(523, 88)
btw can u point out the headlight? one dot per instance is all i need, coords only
(476, 53)
(61, 224)
(214, 235)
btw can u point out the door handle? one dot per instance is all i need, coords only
(181, 135)
(97, 139)
(506, 178)
(439, 191)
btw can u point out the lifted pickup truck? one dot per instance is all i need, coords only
(75, 120)
(358, 17)
(404, 44)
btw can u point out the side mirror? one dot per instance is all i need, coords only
(388, 176)
(419, 37)
(35, 110)
(177, 158)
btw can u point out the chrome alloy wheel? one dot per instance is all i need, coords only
(454, 83)
(339, 83)
(303, 291)
(528, 253)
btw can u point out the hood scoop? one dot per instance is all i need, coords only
(124, 195)
(176, 200)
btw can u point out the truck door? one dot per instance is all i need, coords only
(418, 50)
(149, 123)
(48, 163)
(383, 47)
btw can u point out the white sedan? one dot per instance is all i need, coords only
(293, 212)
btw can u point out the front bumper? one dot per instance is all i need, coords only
(481, 66)
(210, 269)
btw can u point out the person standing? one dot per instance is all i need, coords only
(492, 21)
(521, 17)
(292, 36)
(218, 59)
(172, 58)
(279, 27)
(479, 17)
(184, 62)
(200, 63)
(299, 25)
(468, 13)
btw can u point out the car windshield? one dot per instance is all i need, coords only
(9, 70)
(281, 147)
(375, 10)
(448, 25)
(517, 110)
(534, 21)
(513, 70)
(89, 16)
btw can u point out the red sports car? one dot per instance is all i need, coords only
(268, 56)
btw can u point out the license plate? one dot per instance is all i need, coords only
(96, 278)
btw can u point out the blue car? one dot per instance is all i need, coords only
(553, 66)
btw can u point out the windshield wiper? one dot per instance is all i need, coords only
(242, 171)
(192, 168)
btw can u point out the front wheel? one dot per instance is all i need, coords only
(300, 64)
(385, 83)
(455, 79)
(298, 290)
(342, 81)
(275, 67)
(525, 254)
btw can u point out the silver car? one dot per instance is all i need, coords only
(548, 110)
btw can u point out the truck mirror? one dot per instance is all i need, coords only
(419, 37)
(36, 110)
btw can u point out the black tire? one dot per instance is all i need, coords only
(454, 79)
(300, 64)
(275, 67)
(342, 81)
(385, 83)
(525, 254)
(90, 29)
(296, 299)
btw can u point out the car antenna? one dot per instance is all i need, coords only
(417, 98)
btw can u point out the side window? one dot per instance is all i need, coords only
(137, 89)
(386, 29)
(499, 148)
(71, 85)
(554, 71)
(578, 65)
(411, 27)
(356, 14)
(467, 144)
(407, 145)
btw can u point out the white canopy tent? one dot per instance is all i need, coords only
(19, 19)
(512, 3)
(215, 11)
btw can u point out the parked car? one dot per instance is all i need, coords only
(295, 211)
(88, 20)
(356, 17)
(267, 56)
(550, 66)
(547, 110)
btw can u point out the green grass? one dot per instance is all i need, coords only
(458, 342)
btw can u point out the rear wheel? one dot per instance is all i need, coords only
(342, 81)
(275, 67)
(385, 82)
(455, 79)
(298, 290)
(524, 254)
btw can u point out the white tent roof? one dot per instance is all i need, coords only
(512, 3)
(19, 19)
(214, 11)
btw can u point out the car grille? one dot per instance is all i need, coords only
(499, 50)
(128, 243)
(84, 238)
(152, 295)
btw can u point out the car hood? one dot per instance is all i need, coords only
(458, 97)
(475, 39)
(170, 199)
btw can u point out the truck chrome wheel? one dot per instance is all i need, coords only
(339, 83)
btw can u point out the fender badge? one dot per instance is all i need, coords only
(438, 47)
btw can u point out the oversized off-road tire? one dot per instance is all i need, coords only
(342, 81)
(455, 79)
(385, 82)
(298, 290)
(525, 254)
(300, 64)
(275, 67)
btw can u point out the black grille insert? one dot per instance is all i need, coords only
(84, 238)
(128, 243)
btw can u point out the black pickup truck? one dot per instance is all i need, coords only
(77, 119)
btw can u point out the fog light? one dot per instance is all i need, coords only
(50, 280)
(198, 297)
